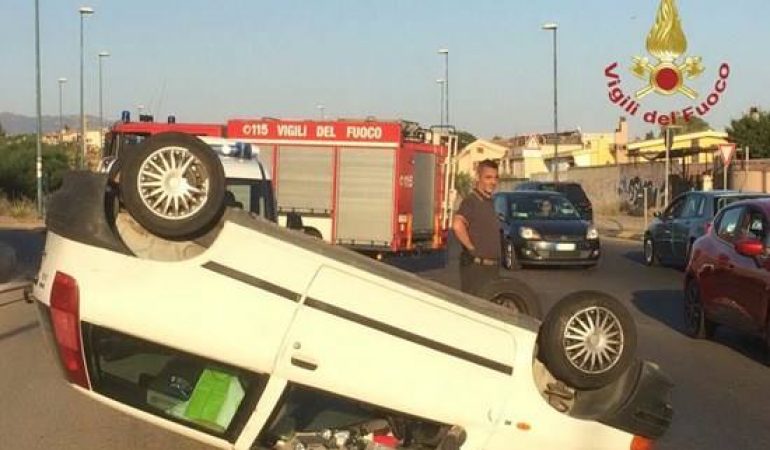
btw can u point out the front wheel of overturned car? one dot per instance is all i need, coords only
(514, 295)
(173, 185)
(587, 340)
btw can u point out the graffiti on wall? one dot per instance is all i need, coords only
(631, 194)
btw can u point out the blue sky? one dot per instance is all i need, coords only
(206, 60)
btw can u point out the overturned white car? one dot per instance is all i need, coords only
(219, 325)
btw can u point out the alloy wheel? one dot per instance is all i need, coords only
(593, 340)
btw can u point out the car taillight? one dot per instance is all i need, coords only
(642, 443)
(65, 319)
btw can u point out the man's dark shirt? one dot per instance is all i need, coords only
(482, 223)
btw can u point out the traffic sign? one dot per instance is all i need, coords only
(726, 151)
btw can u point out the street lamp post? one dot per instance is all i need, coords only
(102, 55)
(445, 52)
(39, 110)
(441, 82)
(322, 109)
(61, 100)
(554, 27)
(84, 12)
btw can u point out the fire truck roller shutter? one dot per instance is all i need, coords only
(305, 179)
(423, 194)
(366, 196)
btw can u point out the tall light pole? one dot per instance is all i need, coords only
(84, 12)
(102, 55)
(445, 52)
(61, 100)
(322, 109)
(441, 82)
(552, 26)
(39, 110)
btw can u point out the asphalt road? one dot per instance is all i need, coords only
(720, 398)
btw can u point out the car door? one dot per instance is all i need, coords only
(393, 347)
(717, 275)
(682, 226)
(748, 293)
(662, 232)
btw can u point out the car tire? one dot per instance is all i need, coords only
(650, 258)
(510, 261)
(587, 340)
(512, 294)
(696, 325)
(173, 184)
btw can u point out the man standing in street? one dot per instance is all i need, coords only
(478, 229)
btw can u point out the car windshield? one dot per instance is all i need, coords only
(541, 207)
(251, 195)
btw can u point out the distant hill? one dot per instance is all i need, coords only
(18, 124)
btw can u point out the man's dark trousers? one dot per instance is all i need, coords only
(474, 276)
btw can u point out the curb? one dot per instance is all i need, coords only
(626, 235)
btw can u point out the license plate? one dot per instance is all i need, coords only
(565, 247)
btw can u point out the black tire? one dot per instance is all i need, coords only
(310, 231)
(696, 325)
(560, 340)
(510, 261)
(512, 294)
(650, 258)
(193, 213)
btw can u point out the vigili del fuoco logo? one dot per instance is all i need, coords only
(666, 73)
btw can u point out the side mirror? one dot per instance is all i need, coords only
(750, 247)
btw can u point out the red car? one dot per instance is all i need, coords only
(727, 280)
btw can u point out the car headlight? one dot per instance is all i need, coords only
(528, 233)
(592, 233)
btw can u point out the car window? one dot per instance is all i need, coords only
(754, 226)
(573, 192)
(728, 227)
(692, 205)
(541, 207)
(202, 394)
(501, 203)
(675, 209)
(305, 417)
(251, 195)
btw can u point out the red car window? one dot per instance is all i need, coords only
(729, 227)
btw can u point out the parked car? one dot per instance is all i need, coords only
(536, 236)
(671, 234)
(246, 335)
(573, 191)
(728, 279)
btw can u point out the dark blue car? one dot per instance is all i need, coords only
(544, 228)
(670, 236)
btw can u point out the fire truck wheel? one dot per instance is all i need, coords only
(310, 231)
(512, 294)
(173, 184)
(587, 340)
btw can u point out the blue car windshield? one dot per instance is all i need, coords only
(546, 207)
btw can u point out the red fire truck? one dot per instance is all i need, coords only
(380, 187)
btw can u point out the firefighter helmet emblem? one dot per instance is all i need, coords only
(667, 43)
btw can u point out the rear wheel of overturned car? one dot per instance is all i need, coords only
(696, 325)
(173, 185)
(514, 295)
(587, 340)
(649, 252)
